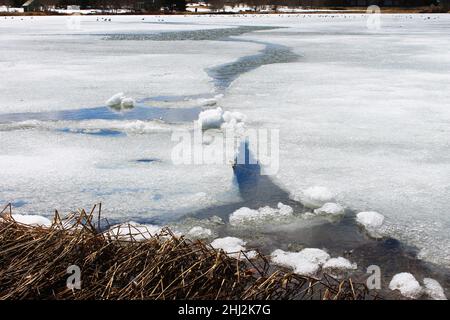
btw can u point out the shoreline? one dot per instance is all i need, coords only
(35, 264)
(88, 232)
(324, 10)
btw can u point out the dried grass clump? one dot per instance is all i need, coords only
(34, 262)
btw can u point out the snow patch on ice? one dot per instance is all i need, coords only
(199, 232)
(370, 220)
(433, 289)
(339, 264)
(246, 215)
(32, 220)
(233, 247)
(306, 262)
(406, 284)
(330, 208)
(314, 197)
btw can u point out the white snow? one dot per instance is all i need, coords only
(133, 231)
(407, 285)
(245, 215)
(120, 101)
(306, 262)
(339, 264)
(211, 118)
(314, 197)
(433, 289)
(115, 99)
(233, 247)
(371, 220)
(217, 118)
(33, 220)
(330, 208)
(199, 232)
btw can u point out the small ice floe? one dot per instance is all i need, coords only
(233, 247)
(433, 289)
(217, 118)
(330, 208)
(32, 220)
(246, 215)
(199, 232)
(119, 102)
(133, 231)
(336, 266)
(314, 197)
(306, 262)
(407, 285)
(370, 220)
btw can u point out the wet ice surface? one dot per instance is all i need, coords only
(361, 112)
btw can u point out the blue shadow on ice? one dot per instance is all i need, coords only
(105, 113)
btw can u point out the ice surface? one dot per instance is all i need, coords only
(407, 285)
(433, 289)
(362, 112)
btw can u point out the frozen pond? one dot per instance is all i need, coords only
(363, 112)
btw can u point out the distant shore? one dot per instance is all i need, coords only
(324, 10)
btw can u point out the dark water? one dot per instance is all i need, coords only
(194, 35)
(224, 75)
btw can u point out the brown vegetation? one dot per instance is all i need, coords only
(34, 262)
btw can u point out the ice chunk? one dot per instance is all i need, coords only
(232, 246)
(371, 220)
(217, 118)
(115, 100)
(120, 101)
(306, 262)
(284, 210)
(314, 197)
(339, 264)
(210, 119)
(32, 220)
(433, 289)
(406, 284)
(127, 103)
(330, 208)
(199, 232)
(242, 215)
(247, 215)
